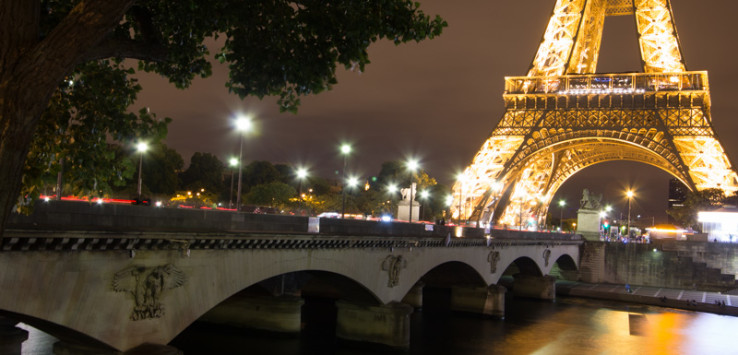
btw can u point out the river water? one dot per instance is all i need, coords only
(567, 326)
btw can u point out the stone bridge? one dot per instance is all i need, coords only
(105, 281)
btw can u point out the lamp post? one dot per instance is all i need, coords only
(629, 193)
(233, 162)
(562, 203)
(520, 215)
(243, 125)
(301, 173)
(141, 147)
(345, 151)
(423, 196)
(412, 165)
(460, 179)
(351, 183)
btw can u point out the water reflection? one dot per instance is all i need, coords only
(568, 326)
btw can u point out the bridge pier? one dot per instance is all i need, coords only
(488, 301)
(386, 324)
(414, 297)
(11, 337)
(541, 287)
(277, 314)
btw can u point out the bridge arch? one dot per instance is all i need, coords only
(453, 273)
(96, 292)
(523, 265)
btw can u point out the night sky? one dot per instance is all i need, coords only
(440, 99)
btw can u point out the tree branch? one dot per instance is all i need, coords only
(86, 25)
(143, 18)
(125, 48)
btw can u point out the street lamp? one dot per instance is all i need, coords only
(460, 179)
(562, 203)
(412, 165)
(301, 173)
(232, 162)
(629, 193)
(141, 147)
(345, 151)
(243, 124)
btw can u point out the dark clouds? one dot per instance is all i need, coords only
(440, 99)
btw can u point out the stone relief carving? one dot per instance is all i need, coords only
(493, 257)
(393, 264)
(146, 284)
(546, 256)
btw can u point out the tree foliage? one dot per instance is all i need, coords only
(695, 202)
(87, 134)
(281, 48)
(161, 167)
(274, 194)
(205, 172)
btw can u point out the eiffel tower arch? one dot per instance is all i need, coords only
(563, 117)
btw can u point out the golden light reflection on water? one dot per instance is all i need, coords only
(647, 330)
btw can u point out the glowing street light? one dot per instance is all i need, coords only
(141, 147)
(449, 200)
(301, 174)
(630, 195)
(352, 182)
(243, 124)
(412, 165)
(345, 151)
(232, 162)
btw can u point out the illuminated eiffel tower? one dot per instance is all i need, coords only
(563, 117)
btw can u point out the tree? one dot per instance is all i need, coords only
(161, 169)
(695, 202)
(259, 173)
(161, 166)
(205, 172)
(274, 194)
(281, 48)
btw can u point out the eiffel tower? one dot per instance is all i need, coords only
(563, 117)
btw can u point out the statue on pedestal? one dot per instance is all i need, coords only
(590, 202)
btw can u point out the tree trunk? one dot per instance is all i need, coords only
(18, 121)
(30, 70)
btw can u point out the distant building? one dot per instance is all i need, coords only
(721, 224)
(677, 195)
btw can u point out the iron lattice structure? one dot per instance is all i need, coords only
(563, 117)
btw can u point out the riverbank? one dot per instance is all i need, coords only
(693, 300)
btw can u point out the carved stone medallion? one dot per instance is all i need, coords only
(393, 264)
(493, 257)
(146, 285)
(546, 256)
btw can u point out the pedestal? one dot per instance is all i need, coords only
(387, 324)
(403, 211)
(276, 314)
(588, 224)
(488, 301)
(540, 287)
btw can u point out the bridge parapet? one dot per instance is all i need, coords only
(50, 240)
